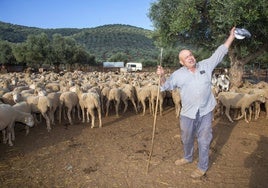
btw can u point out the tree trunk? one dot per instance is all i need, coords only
(236, 70)
(236, 74)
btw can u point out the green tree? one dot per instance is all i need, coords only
(6, 54)
(37, 49)
(19, 50)
(207, 23)
(119, 56)
(63, 49)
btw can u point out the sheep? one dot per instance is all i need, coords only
(92, 102)
(55, 100)
(104, 95)
(154, 92)
(114, 95)
(223, 82)
(23, 107)
(39, 104)
(263, 92)
(177, 101)
(144, 94)
(8, 98)
(81, 98)
(52, 87)
(9, 116)
(238, 100)
(69, 100)
(128, 93)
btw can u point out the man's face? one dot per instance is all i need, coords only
(187, 59)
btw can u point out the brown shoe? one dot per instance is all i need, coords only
(197, 173)
(181, 162)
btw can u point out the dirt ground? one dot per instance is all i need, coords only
(116, 155)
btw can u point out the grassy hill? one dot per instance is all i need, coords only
(102, 42)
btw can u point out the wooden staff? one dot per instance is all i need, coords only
(155, 115)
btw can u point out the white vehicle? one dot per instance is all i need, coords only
(133, 67)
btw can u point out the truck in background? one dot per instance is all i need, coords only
(133, 67)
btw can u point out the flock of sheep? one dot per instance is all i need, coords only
(32, 97)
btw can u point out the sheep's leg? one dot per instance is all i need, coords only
(83, 114)
(9, 138)
(13, 132)
(4, 136)
(266, 108)
(117, 107)
(143, 107)
(99, 114)
(152, 106)
(9, 134)
(91, 112)
(69, 115)
(107, 107)
(257, 110)
(134, 104)
(245, 114)
(250, 114)
(243, 111)
(138, 106)
(27, 130)
(126, 105)
(52, 116)
(227, 113)
(60, 112)
(47, 121)
(88, 120)
(65, 113)
(101, 99)
(78, 111)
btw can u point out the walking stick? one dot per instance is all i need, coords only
(155, 115)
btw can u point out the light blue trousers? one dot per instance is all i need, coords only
(201, 128)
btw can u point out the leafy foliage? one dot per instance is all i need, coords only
(207, 23)
(102, 43)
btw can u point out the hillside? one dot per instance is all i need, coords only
(110, 39)
(102, 42)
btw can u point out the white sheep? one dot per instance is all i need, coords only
(154, 92)
(7, 98)
(129, 93)
(223, 82)
(114, 95)
(70, 101)
(54, 97)
(257, 104)
(39, 104)
(92, 102)
(104, 95)
(23, 107)
(143, 95)
(238, 100)
(8, 116)
(82, 97)
(177, 101)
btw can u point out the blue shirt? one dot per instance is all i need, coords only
(195, 87)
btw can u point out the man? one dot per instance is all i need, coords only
(194, 81)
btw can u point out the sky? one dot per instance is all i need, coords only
(51, 14)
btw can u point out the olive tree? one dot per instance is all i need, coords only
(6, 54)
(207, 23)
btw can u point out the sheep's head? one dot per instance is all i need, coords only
(262, 98)
(29, 120)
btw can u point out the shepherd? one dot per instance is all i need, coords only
(194, 82)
